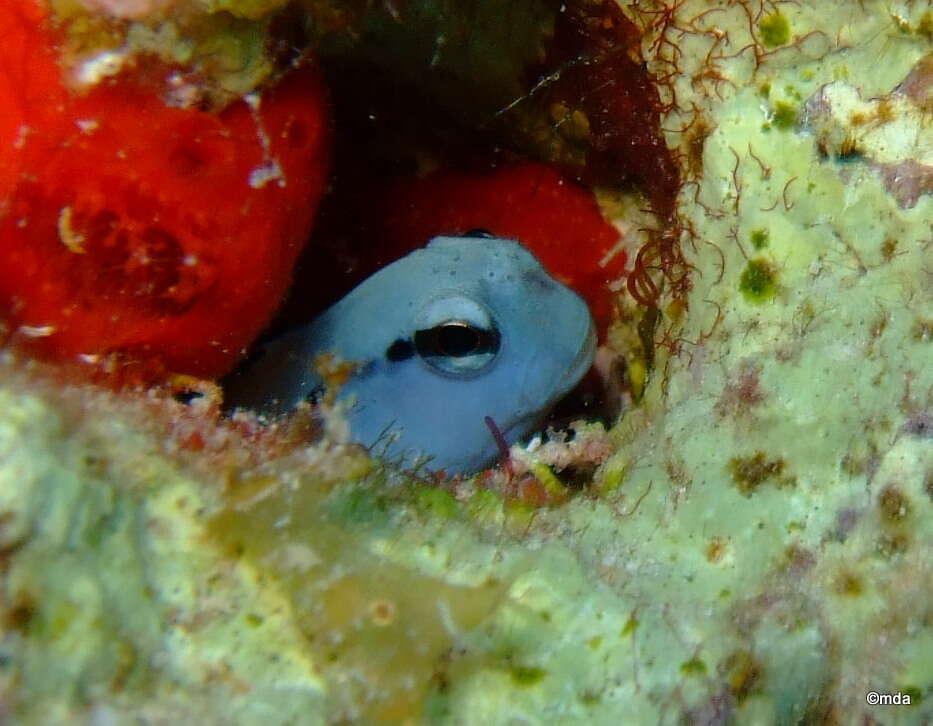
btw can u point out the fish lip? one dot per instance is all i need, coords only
(523, 426)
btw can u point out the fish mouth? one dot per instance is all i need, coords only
(518, 430)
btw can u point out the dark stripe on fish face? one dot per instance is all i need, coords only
(400, 350)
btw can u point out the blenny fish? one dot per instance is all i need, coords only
(460, 334)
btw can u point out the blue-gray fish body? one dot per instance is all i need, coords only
(458, 331)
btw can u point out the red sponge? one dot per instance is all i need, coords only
(130, 226)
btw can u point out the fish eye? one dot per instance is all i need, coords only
(456, 346)
(456, 335)
(455, 339)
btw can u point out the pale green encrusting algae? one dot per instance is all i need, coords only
(763, 549)
(114, 602)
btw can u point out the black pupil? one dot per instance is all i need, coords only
(457, 340)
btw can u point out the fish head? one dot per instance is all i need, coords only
(457, 332)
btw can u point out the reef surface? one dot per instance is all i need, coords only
(755, 546)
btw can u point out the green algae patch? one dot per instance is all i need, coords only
(227, 46)
(527, 675)
(894, 505)
(693, 667)
(758, 281)
(925, 26)
(612, 475)
(783, 115)
(553, 486)
(774, 30)
(750, 472)
(485, 506)
(759, 238)
(358, 505)
(848, 584)
(922, 331)
(743, 674)
(434, 502)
